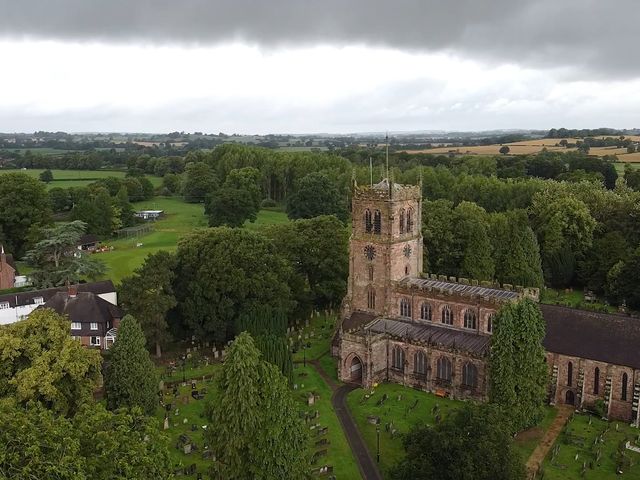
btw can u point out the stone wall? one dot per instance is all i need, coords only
(582, 385)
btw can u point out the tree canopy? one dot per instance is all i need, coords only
(316, 195)
(471, 443)
(148, 296)
(56, 259)
(25, 208)
(130, 376)
(518, 376)
(255, 429)
(44, 365)
(224, 273)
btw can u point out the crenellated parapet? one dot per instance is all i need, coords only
(387, 190)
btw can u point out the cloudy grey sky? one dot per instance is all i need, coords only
(317, 66)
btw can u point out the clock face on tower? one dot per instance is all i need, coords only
(370, 252)
(407, 250)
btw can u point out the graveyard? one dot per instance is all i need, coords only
(393, 409)
(595, 449)
(184, 422)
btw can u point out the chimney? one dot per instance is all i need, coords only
(72, 291)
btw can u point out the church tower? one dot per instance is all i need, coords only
(385, 244)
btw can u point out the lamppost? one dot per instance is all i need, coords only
(378, 443)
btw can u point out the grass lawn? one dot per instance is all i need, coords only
(317, 336)
(572, 298)
(78, 178)
(339, 453)
(579, 439)
(526, 442)
(180, 218)
(395, 410)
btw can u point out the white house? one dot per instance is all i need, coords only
(149, 214)
(16, 306)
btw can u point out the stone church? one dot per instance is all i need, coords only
(433, 332)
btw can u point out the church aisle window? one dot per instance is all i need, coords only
(405, 307)
(596, 381)
(447, 315)
(444, 369)
(625, 381)
(425, 311)
(470, 319)
(420, 363)
(397, 360)
(470, 375)
(569, 374)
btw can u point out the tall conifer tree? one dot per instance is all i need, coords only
(130, 377)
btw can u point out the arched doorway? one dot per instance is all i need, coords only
(570, 398)
(355, 370)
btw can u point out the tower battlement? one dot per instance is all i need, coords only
(386, 190)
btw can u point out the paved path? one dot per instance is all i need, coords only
(366, 464)
(539, 454)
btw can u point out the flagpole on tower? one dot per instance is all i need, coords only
(370, 170)
(386, 139)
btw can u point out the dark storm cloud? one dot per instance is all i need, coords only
(593, 37)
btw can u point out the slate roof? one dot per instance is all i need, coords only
(25, 298)
(596, 336)
(85, 308)
(461, 289)
(88, 239)
(433, 334)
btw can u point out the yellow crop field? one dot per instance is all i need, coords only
(629, 157)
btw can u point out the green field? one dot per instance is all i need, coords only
(180, 218)
(578, 446)
(78, 178)
(396, 411)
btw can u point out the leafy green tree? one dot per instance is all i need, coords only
(25, 208)
(606, 251)
(222, 274)
(316, 195)
(504, 149)
(518, 374)
(57, 261)
(563, 223)
(623, 281)
(255, 430)
(318, 251)
(46, 176)
(248, 179)
(515, 249)
(471, 443)
(172, 182)
(199, 181)
(98, 213)
(148, 295)
(60, 199)
(231, 207)
(440, 246)
(95, 444)
(472, 230)
(269, 332)
(124, 207)
(148, 189)
(130, 376)
(134, 189)
(47, 366)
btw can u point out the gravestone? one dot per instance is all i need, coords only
(166, 423)
(215, 354)
(187, 449)
(373, 420)
(311, 399)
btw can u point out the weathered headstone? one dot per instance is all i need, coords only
(166, 423)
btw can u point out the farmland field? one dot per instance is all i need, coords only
(77, 178)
